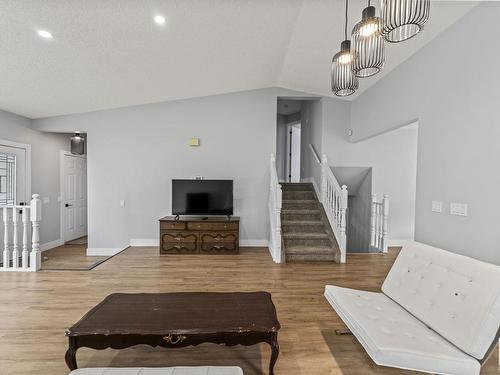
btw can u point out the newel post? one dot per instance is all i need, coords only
(35, 217)
(6, 254)
(385, 212)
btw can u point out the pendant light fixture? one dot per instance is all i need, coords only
(403, 19)
(368, 44)
(77, 144)
(344, 82)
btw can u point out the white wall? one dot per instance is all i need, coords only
(392, 156)
(312, 133)
(454, 94)
(44, 165)
(359, 213)
(134, 152)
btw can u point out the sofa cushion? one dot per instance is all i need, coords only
(209, 370)
(393, 337)
(457, 296)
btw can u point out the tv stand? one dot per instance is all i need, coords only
(199, 235)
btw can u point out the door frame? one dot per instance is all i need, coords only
(288, 156)
(27, 148)
(62, 189)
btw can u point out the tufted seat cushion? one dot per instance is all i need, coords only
(208, 370)
(393, 337)
(457, 296)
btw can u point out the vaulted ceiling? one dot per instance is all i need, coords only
(107, 54)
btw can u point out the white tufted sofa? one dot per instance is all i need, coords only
(208, 370)
(439, 312)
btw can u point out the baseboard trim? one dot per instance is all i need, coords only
(396, 242)
(254, 243)
(52, 244)
(103, 251)
(145, 242)
(136, 242)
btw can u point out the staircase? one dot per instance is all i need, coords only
(305, 229)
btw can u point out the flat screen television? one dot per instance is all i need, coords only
(202, 197)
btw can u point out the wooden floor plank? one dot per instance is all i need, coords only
(36, 308)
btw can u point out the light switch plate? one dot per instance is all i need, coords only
(122, 203)
(194, 142)
(459, 209)
(437, 206)
(46, 200)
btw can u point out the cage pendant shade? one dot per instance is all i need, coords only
(403, 19)
(344, 82)
(368, 46)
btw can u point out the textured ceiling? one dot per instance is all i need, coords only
(108, 54)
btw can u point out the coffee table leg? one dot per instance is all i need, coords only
(275, 351)
(70, 356)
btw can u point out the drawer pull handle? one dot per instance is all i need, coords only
(174, 340)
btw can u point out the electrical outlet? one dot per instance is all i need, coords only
(437, 206)
(459, 209)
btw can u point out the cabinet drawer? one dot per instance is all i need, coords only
(202, 225)
(179, 237)
(219, 237)
(172, 225)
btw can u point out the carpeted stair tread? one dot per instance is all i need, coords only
(297, 211)
(301, 222)
(300, 249)
(305, 235)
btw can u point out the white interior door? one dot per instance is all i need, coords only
(293, 153)
(74, 177)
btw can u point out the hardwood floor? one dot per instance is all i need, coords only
(36, 308)
(70, 257)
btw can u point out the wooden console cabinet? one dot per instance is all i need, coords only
(199, 235)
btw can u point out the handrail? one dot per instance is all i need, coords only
(275, 203)
(315, 154)
(334, 199)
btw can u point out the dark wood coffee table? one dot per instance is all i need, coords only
(177, 320)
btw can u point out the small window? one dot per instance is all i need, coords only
(7, 180)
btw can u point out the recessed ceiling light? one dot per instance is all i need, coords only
(45, 34)
(160, 20)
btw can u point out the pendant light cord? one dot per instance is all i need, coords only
(346, 11)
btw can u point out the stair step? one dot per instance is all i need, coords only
(305, 235)
(306, 239)
(330, 257)
(300, 249)
(296, 187)
(299, 195)
(311, 226)
(300, 204)
(287, 214)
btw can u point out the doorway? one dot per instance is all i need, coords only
(74, 197)
(293, 152)
(288, 140)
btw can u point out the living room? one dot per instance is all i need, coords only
(166, 92)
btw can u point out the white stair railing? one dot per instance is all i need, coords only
(378, 224)
(275, 202)
(334, 200)
(15, 256)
